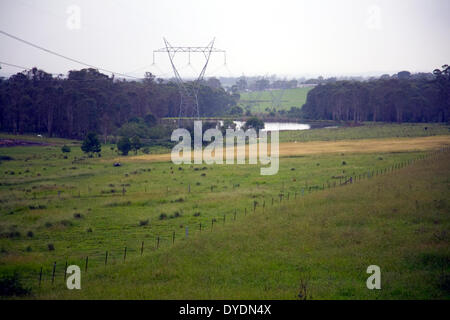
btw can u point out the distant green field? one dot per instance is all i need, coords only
(369, 130)
(291, 98)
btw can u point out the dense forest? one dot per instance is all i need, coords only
(403, 98)
(88, 101)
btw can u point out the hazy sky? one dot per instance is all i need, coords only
(287, 38)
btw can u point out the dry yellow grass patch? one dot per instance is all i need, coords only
(343, 146)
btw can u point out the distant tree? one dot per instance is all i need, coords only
(254, 123)
(65, 149)
(91, 144)
(262, 84)
(236, 111)
(124, 145)
(150, 120)
(403, 75)
(241, 84)
(213, 83)
(135, 144)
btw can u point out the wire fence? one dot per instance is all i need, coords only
(143, 244)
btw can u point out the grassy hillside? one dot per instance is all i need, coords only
(57, 209)
(325, 240)
(260, 101)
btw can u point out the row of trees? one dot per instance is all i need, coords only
(401, 99)
(88, 101)
(262, 84)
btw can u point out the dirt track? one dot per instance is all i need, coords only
(343, 146)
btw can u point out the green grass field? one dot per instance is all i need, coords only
(367, 131)
(291, 98)
(84, 207)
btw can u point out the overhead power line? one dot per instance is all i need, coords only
(53, 74)
(63, 56)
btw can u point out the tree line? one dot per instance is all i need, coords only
(87, 101)
(404, 98)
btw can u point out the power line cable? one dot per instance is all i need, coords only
(53, 74)
(65, 57)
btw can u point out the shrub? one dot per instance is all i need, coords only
(162, 216)
(51, 247)
(135, 144)
(197, 214)
(30, 234)
(91, 144)
(77, 215)
(146, 150)
(11, 285)
(124, 146)
(65, 223)
(344, 163)
(143, 222)
(65, 149)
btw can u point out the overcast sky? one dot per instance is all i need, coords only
(287, 38)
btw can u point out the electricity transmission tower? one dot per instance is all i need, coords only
(277, 98)
(189, 90)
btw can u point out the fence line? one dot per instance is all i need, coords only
(112, 257)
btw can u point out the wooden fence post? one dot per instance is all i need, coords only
(40, 277)
(106, 258)
(125, 254)
(65, 272)
(53, 273)
(142, 248)
(86, 265)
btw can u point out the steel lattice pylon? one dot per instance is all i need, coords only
(188, 90)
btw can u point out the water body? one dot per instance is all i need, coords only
(276, 126)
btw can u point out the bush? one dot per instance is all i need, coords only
(51, 247)
(135, 144)
(11, 285)
(143, 222)
(65, 149)
(146, 150)
(91, 144)
(254, 123)
(124, 146)
(162, 216)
